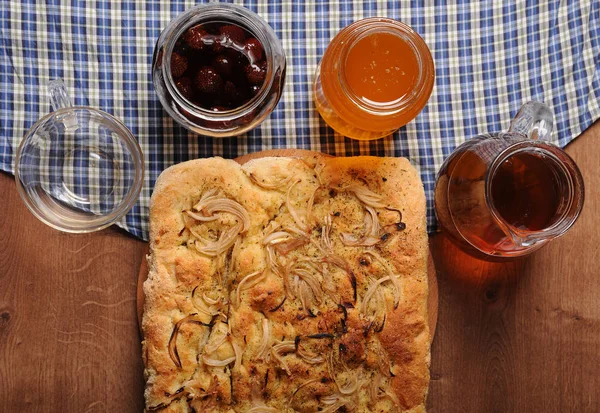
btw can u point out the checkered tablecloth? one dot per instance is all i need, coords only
(490, 57)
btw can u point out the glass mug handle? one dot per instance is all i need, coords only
(60, 99)
(534, 120)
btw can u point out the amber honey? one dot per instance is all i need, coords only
(381, 68)
(376, 75)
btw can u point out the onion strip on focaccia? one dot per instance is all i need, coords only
(266, 338)
(209, 205)
(347, 389)
(306, 383)
(374, 384)
(372, 290)
(276, 237)
(393, 277)
(192, 318)
(334, 402)
(275, 184)
(252, 278)
(311, 281)
(283, 242)
(372, 229)
(237, 351)
(366, 196)
(309, 358)
(263, 409)
(217, 363)
(343, 265)
(302, 217)
(326, 244)
(213, 346)
(281, 348)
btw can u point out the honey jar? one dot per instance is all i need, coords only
(375, 76)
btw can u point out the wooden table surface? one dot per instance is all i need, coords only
(518, 337)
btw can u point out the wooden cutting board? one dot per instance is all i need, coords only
(432, 302)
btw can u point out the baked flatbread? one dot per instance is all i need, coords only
(287, 285)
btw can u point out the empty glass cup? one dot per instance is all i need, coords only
(78, 169)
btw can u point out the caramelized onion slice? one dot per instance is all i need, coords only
(212, 205)
(210, 301)
(225, 241)
(283, 242)
(275, 184)
(374, 386)
(266, 338)
(306, 383)
(253, 278)
(372, 230)
(369, 294)
(393, 277)
(263, 409)
(199, 217)
(325, 234)
(284, 248)
(311, 281)
(276, 237)
(334, 403)
(299, 215)
(192, 318)
(211, 348)
(343, 265)
(309, 207)
(366, 196)
(281, 348)
(309, 358)
(238, 354)
(217, 363)
(318, 171)
(209, 205)
(348, 388)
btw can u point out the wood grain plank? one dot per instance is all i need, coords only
(68, 333)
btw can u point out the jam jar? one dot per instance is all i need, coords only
(375, 76)
(218, 69)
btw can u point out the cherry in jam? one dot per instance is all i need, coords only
(218, 66)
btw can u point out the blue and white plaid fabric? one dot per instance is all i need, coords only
(490, 57)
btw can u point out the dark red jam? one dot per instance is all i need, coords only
(218, 66)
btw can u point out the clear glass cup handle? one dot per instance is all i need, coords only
(534, 120)
(60, 99)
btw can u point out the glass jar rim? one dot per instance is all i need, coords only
(562, 162)
(358, 30)
(364, 28)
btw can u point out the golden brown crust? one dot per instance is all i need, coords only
(346, 319)
(405, 336)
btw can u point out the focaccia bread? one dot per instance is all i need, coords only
(287, 285)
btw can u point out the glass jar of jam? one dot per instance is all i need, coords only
(375, 76)
(218, 69)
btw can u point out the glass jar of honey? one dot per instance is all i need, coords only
(375, 76)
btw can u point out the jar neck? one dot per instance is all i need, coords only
(340, 94)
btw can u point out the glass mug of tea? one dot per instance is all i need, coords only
(505, 195)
